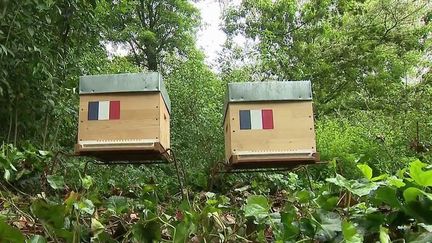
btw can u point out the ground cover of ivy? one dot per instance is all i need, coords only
(66, 205)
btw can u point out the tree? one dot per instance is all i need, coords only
(40, 46)
(197, 113)
(151, 28)
(351, 50)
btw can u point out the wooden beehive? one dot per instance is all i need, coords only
(269, 124)
(123, 117)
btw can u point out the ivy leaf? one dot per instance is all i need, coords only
(366, 170)
(148, 231)
(388, 196)
(53, 215)
(257, 206)
(423, 178)
(410, 194)
(427, 227)
(350, 233)
(383, 235)
(37, 239)
(358, 188)
(7, 174)
(48, 19)
(290, 229)
(117, 204)
(396, 182)
(56, 181)
(44, 153)
(303, 196)
(10, 234)
(380, 177)
(31, 31)
(330, 221)
(87, 181)
(85, 206)
(96, 227)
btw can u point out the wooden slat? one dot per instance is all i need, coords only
(227, 129)
(147, 153)
(272, 161)
(164, 118)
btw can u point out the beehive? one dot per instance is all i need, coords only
(269, 124)
(123, 117)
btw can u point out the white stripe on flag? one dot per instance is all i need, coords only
(103, 110)
(256, 119)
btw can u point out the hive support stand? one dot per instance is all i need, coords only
(227, 167)
(138, 157)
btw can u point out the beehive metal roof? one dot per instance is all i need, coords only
(125, 82)
(268, 91)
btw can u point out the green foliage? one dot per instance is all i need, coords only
(10, 234)
(151, 29)
(56, 181)
(350, 233)
(40, 45)
(353, 51)
(197, 103)
(257, 207)
(423, 178)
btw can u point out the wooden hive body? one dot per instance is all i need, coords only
(269, 124)
(141, 129)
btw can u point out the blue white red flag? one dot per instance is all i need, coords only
(103, 110)
(256, 119)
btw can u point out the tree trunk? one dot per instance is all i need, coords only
(152, 63)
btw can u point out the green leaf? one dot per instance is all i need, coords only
(350, 233)
(423, 178)
(31, 31)
(117, 204)
(85, 205)
(7, 174)
(427, 227)
(410, 194)
(330, 221)
(37, 239)
(396, 182)
(380, 177)
(53, 215)
(327, 202)
(96, 227)
(290, 229)
(355, 187)
(303, 196)
(366, 170)
(56, 181)
(387, 195)
(383, 235)
(148, 231)
(257, 206)
(44, 153)
(10, 234)
(87, 181)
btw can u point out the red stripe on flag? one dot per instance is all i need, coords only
(267, 119)
(114, 111)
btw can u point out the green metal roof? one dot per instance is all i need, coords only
(124, 83)
(268, 91)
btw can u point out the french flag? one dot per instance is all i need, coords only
(256, 119)
(103, 110)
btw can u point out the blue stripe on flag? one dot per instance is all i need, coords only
(245, 119)
(93, 110)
